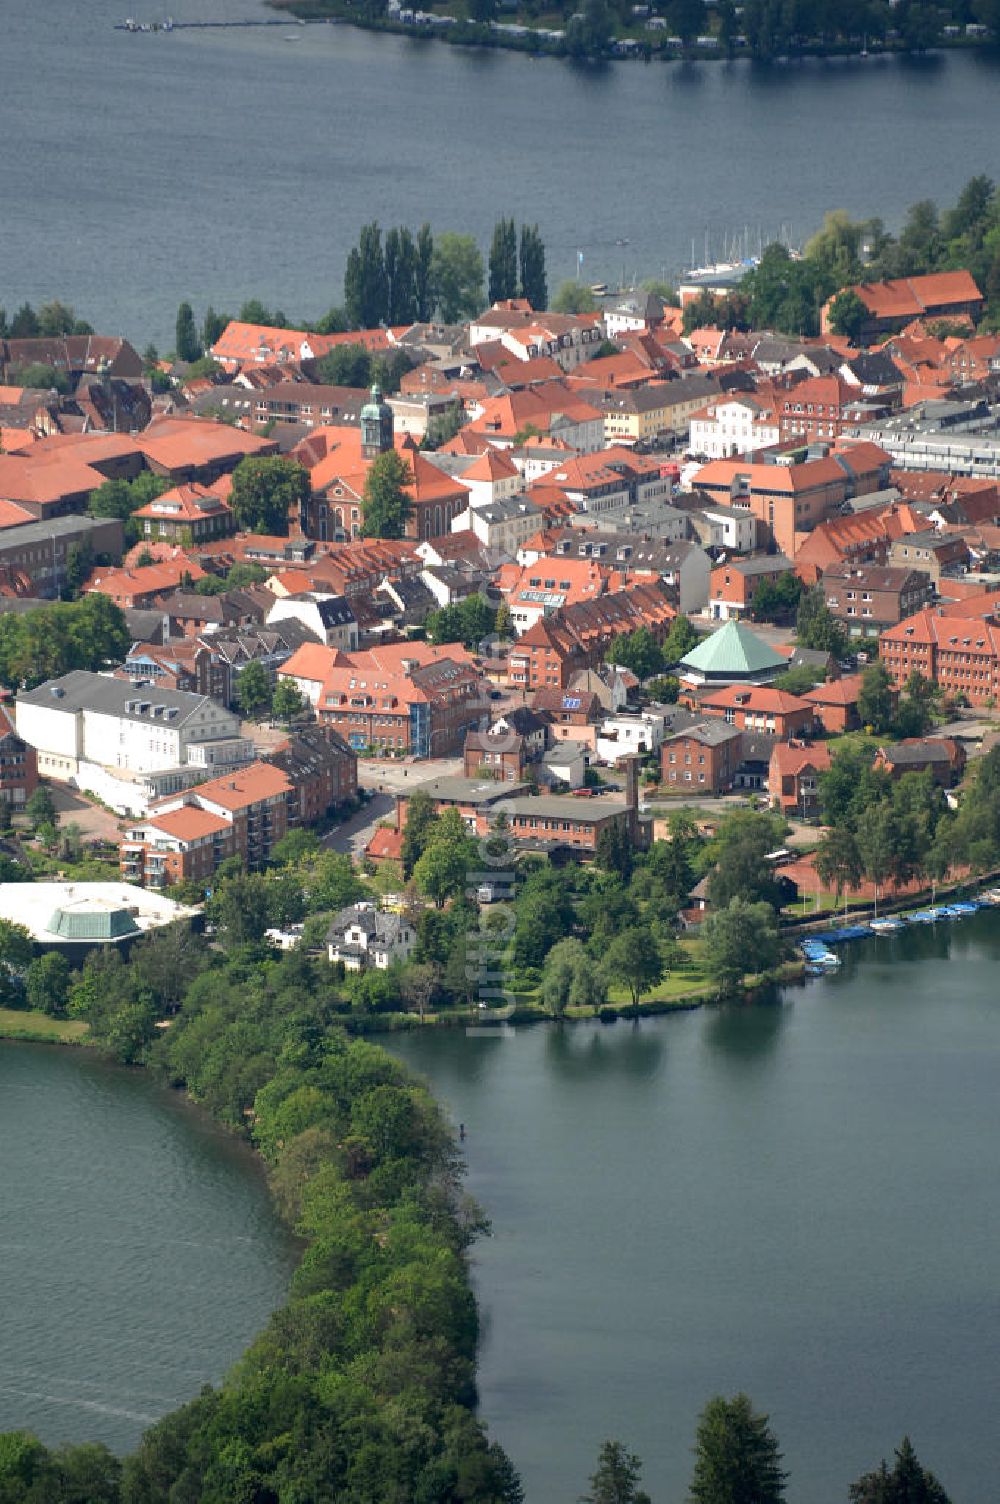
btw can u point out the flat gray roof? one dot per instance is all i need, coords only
(564, 807)
(466, 790)
(56, 527)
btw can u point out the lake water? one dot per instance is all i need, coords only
(141, 170)
(798, 1199)
(140, 1252)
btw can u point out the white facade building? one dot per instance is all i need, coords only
(739, 425)
(89, 718)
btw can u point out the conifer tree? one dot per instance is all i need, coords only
(503, 261)
(534, 286)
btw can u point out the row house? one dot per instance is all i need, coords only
(958, 653)
(575, 638)
(870, 598)
(241, 344)
(821, 408)
(663, 407)
(931, 552)
(322, 770)
(499, 755)
(146, 585)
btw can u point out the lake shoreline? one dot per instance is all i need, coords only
(535, 44)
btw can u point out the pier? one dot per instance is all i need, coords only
(171, 25)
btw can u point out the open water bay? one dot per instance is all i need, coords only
(797, 1198)
(138, 171)
(140, 1253)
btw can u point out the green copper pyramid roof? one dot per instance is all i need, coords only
(735, 650)
(92, 924)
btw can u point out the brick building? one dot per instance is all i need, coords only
(871, 597)
(959, 653)
(18, 764)
(703, 757)
(759, 708)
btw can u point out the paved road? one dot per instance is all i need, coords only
(354, 834)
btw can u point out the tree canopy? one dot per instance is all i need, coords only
(267, 490)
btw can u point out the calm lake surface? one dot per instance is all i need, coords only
(798, 1199)
(141, 170)
(140, 1252)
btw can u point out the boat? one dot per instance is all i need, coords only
(599, 289)
(885, 926)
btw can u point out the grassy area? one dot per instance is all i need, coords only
(805, 907)
(25, 1023)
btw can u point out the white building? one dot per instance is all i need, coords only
(85, 721)
(739, 425)
(730, 528)
(329, 616)
(73, 916)
(363, 936)
(625, 735)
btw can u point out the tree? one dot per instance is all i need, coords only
(534, 285)
(915, 711)
(418, 985)
(907, 1482)
(687, 17)
(590, 30)
(614, 850)
(876, 698)
(253, 688)
(24, 324)
(816, 627)
(570, 979)
(740, 847)
(400, 268)
(40, 808)
(838, 860)
(41, 377)
(785, 294)
(286, 701)
(571, 297)
(267, 490)
(212, 326)
(848, 315)
(186, 341)
(633, 958)
(503, 261)
(739, 939)
(457, 277)
(47, 983)
(15, 959)
(737, 1460)
(386, 507)
(681, 638)
(638, 651)
(366, 284)
(776, 598)
(423, 274)
(449, 852)
(617, 1477)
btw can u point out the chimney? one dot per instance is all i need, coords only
(632, 796)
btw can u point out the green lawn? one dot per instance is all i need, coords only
(25, 1023)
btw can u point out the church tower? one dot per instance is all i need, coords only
(376, 426)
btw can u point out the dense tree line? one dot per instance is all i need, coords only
(362, 1385)
(50, 640)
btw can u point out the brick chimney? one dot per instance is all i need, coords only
(632, 797)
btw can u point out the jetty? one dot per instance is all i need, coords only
(169, 24)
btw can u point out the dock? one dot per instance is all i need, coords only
(169, 24)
